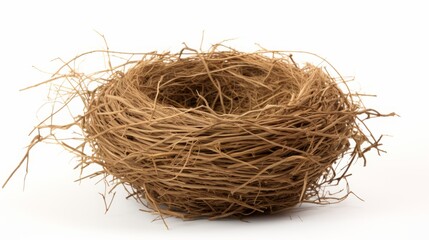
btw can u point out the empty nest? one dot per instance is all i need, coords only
(218, 133)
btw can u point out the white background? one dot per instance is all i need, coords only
(384, 44)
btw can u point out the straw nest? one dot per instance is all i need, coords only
(222, 133)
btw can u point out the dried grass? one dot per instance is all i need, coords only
(217, 133)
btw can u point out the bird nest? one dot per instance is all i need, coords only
(217, 133)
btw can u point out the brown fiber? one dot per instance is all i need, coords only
(218, 133)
